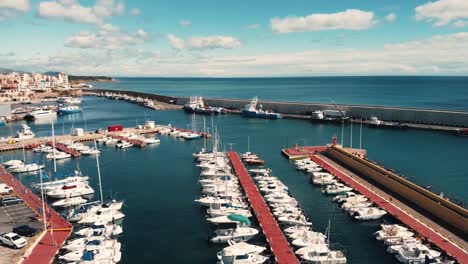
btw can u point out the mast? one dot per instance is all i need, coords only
(360, 136)
(351, 134)
(342, 131)
(43, 201)
(204, 131)
(53, 148)
(99, 174)
(248, 143)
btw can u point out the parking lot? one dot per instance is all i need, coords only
(11, 216)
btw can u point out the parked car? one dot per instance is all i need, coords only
(25, 230)
(5, 189)
(10, 200)
(12, 240)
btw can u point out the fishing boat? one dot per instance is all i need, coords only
(40, 114)
(241, 253)
(250, 110)
(374, 121)
(25, 133)
(69, 109)
(197, 105)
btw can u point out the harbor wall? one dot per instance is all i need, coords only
(441, 210)
(397, 114)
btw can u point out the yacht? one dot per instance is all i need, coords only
(112, 205)
(91, 151)
(108, 230)
(236, 234)
(321, 254)
(13, 163)
(93, 256)
(92, 243)
(26, 168)
(241, 220)
(191, 135)
(416, 253)
(335, 189)
(68, 202)
(250, 110)
(350, 197)
(308, 240)
(306, 233)
(216, 210)
(102, 217)
(393, 232)
(152, 140)
(25, 133)
(368, 213)
(58, 155)
(241, 253)
(295, 220)
(77, 178)
(124, 145)
(70, 190)
(69, 109)
(324, 179)
(111, 141)
(40, 114)
(296, 229)
(353, 206)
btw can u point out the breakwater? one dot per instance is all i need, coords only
(395, 114)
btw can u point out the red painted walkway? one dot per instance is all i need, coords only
(58, 229)
(430, 234)
(278, 243)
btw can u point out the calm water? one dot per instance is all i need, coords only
(159, 183)
(421, 92)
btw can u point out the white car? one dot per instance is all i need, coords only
(12, 240)
(5, 189)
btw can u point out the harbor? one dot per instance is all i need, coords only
(171, 145)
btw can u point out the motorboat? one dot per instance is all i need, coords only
(320, 255)
(93, 256)
(151, 140)
(336, 189)
(374, 121)
(112, 205)
(236, 234)
(13, 163)
(241, 253)
(260, 171)
(368, 213)
(111, 141)
(296, 229)
(299, 219)
(70, 190)
(25, 133)
(77, 178)
(306, 233)
(58, 155)
(399, 241)
(191, 135)
(69, 109)
(241, 220)
(68, 202)
(124, 145)
(93, 244)
(324, 179)
(307, 240)
(26, 168)
(91, 151)
(40, 114)
(211, 200)
(416, 253)
(350, 197)
(42, 149)
(108, 230)
(102, 217)
(392, 232)
(353, 206)
(216, 210)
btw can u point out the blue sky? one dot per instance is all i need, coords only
(236, 38)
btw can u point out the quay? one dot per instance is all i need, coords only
(48, 243)
(279, 245)
(434, 218)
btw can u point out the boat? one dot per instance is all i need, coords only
(67, 202)
(296, 229)
(368, 213)
(374, 121)
(102, 216)
(152, 140)
(241, 253)
(124, 145)
(56, 154)
(93, 256)
(250, 110)
(77, 178)
(26, 168)
(236, 234)
(197, 105)
(305, 233)
(40, 114)
(91, 151)
(92, 243)
(352, 206)
(13, 163)
(69, 109)
(216, 210)
(256, 162)
(242, 220)
(416, 253)
(350, 197)
(25, 133)
(112, 205)
(109, 230)
(309, 240)
(295, 220)
(111, 141)
(191, 135)
(335, 189)
(393, 233)
(70, 190)
(320, 253)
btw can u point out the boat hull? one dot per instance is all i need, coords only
(260, 115)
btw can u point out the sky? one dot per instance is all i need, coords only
(226, 38)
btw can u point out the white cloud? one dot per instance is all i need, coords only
(442, 12)
(109, 27)
(135, 11)
(204, 42)
(252, 26)
(73, 11)
(460, 23)
(106, 39)
(185, 23)
(9, 8)
(352, 19)
(390, 17)
(176, 43)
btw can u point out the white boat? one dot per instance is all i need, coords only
(70, 190)
(69, 109)
(392, 232)
(25, 133)
(337, 188)
(368, 213)
(241, 220)
(124, 145)
(77, 179)
(91, 151)
(415, 253)
(353, 206)
(210, 201)
(319, 254)
(399, 241)
(93, 244)
(296, 229)
(216, 210)
(152, 140)
(191, 135)
(374, 121)
(13, 163)
(112, 205)
(294, 220)
(237, 234)
(308, 240)
(111, 141)
(58, 155)
(306, 233)
(68, 202)
(99, 230)
(350, 197)
(241, 253)
(93, 256)
(102, 217)
(26, 168)
(40, 114)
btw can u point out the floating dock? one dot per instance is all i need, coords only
(58, 230)
(279, 245)
(75, 153)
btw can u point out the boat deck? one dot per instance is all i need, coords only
(279, 245)
(58, 229)
(445, 240)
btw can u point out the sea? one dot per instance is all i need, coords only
(158, 183)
